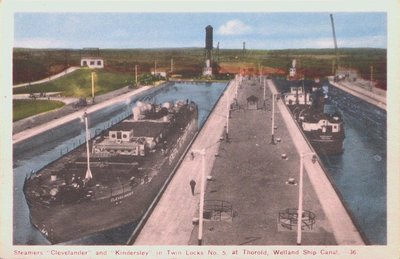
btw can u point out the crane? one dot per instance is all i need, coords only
(336, 48)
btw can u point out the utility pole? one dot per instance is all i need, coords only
(93, 87)
(202, 152)
(372, 72)
(227, 116)
(237, 82)
(88, 175)
(264, 94)
(218, 52)
(300, 205)
(273, 120)
(136, 66)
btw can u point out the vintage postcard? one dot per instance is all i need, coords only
(187, 129)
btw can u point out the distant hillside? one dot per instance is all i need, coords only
(35, 64)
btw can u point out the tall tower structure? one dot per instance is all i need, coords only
(207, 71)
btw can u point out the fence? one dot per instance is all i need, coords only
(288, 219)
(217, 210)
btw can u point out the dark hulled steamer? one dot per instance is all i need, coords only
(324, 129)
(128, 163)
(319, 120)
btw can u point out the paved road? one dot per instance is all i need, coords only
(49, 96)
(50, 78)
(28, 133)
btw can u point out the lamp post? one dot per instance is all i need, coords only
(236, 85)
(227, 116)
(264, 95)
(88, 175)
(300, 207)
(93, 86)
(202, 152)
(136, 82)
(273, 120)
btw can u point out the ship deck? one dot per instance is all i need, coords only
(108, 208)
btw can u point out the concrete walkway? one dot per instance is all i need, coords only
(171, 221)
(368, 96)
(250, 174)
(344, 230)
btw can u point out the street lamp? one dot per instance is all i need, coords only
(88, 175)
(136, 78)
(236, 85)
(273, 120)
(264, 95)
(227, 115)
(300, 208)
(202, 152)
(93, 86)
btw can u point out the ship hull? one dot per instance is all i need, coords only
(326, 144)
(64, 222)
(323, 143)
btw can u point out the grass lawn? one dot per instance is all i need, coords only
(79, 83)
(26, 108)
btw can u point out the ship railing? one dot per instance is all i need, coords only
(115, 191)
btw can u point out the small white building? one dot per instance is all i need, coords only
(92, 62)
(159, 73)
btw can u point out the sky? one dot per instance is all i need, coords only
(174, 30)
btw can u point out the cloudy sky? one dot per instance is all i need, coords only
(155, 30)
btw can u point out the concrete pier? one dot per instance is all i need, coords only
(259, 180)
(368, 96)
(171, 221)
